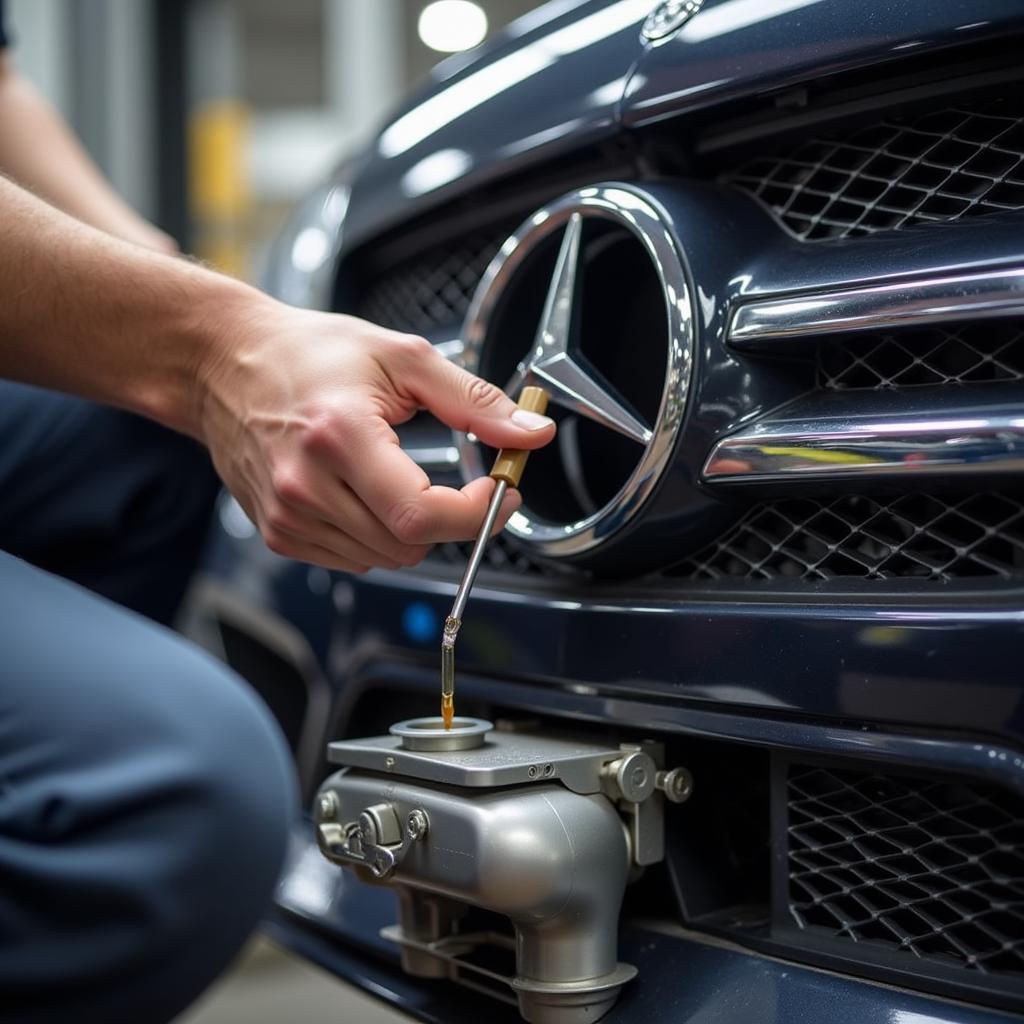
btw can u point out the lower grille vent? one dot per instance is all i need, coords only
(500, 555)
(972, 354)
(929, 868)
(916, 536)
(945, 165)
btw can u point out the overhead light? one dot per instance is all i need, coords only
(450, 26)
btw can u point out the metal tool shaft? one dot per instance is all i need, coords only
(477, 554)
(508, 468)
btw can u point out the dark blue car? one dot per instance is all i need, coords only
(781, 529)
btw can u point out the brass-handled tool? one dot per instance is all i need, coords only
(507, 470)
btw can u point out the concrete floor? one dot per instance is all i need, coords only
(269, 985)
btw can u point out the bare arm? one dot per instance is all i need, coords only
(38, 150)
(296, 407)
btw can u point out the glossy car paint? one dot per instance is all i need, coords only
(734, 48)
(587, 73)
(700, 982)
(546, 89)
(838, 669)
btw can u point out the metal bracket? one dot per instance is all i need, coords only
(639, 786)
(454, 951)
(631, 776)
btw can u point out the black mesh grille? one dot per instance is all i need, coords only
(944, 165)
(926, 867)
(916, 536)
(966, 355)
(434, 289)
(501, 554)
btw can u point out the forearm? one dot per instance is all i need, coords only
(89, 314)
(39, 151)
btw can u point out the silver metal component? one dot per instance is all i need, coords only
(559, 1002)
(935, 299)
(505, 759)
(668, 17)
(552, 362)
(545, 830)
(632, 781)
(373, 840)
(631, 777)
(416, 825)
(677, 785)
(897, 445)
(514, 854)
(429, 734)
(327, 806)
(379, 826)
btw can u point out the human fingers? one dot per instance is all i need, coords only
(466, 402)
(317, 492)
(287, 546)
(400, 494)
(285, 527)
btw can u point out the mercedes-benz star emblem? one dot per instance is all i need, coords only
(572, 384)
(667, 17)
(551, 364)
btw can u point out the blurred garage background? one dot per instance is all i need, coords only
(212, 117)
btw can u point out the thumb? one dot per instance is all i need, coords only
(466, 402)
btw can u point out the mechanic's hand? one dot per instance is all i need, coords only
(297, 412)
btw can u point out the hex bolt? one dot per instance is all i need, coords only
(677, 785)
(532, 771)
(417, 824)
(327, 806)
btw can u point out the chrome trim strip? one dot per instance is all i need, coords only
(824, 449)
(997, 293)
(438, 458)
(451, 349)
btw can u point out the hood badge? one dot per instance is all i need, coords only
(668, 17)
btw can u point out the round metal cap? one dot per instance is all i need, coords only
(428, 734)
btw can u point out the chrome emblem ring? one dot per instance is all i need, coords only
(552, 363)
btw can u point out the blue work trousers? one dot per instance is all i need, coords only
(145, 791)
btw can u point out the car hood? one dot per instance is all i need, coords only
(576, 71)
(552, 81)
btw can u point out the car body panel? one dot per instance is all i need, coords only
(585, 74)
(946, 665)
(553, 88)
(703, 982)
(735, 48)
